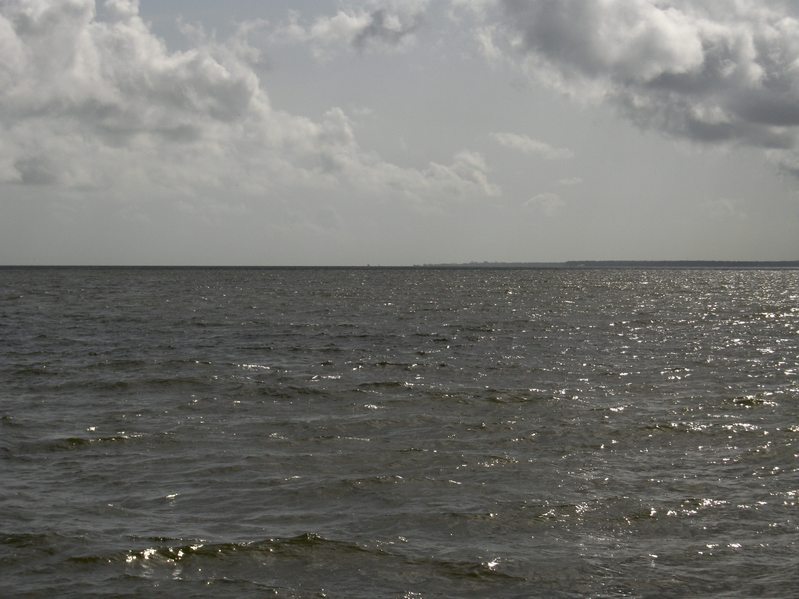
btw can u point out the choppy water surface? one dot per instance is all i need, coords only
(399, 433)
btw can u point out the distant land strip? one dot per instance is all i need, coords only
(628, 264)
(569, 264)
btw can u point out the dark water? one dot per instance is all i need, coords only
(399, 433)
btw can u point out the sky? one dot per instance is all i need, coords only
(397, 132)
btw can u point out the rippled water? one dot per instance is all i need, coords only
(399, 433)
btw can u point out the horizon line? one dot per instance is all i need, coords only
(573, 264)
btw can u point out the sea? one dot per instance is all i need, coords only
(403, 432)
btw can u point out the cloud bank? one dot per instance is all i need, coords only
(714, 71)
(95, 100)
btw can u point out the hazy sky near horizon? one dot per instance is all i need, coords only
(397, 131)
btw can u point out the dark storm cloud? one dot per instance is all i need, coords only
(709, 71)
(36, 171)
(768, 108)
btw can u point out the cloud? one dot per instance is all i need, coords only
(713, 71)
(468, 169)
(97, 101)
(383, 24)
(723, 209)
(528, 145)
(122, 9)
(548, 203)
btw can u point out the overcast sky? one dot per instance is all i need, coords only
(288, 132)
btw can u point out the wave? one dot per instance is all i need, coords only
(309, 557)
(70, 443)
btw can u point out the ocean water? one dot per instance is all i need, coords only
(399, 433)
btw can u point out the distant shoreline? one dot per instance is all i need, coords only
(639, 264)
(566, 265)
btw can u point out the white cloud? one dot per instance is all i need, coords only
(382, 24)
(467, 170)
(476, 7)
(549, 203)
(122, 9)
(724, 209)
(488, 46)
(103, 103)
(528, 145)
